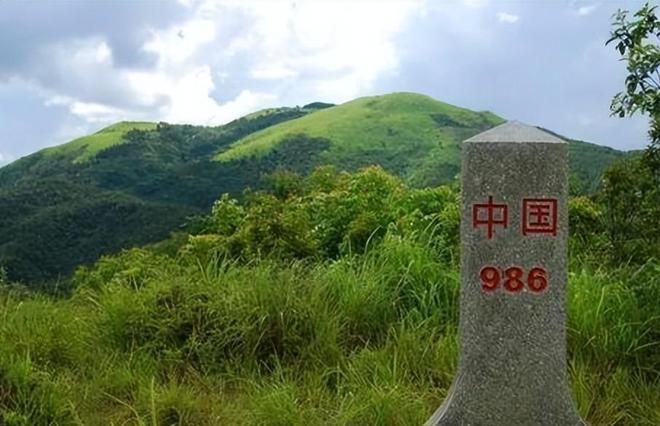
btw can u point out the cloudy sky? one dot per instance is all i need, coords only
(68, 68)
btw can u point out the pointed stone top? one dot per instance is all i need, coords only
(515, 131)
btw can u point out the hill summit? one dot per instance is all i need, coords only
(409, 134)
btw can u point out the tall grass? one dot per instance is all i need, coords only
(367, 339)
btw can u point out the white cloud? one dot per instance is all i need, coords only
(94, 112)
(587, 10)
(305, 38)
(177, 89)
(306, 50)
(186, 3)
(91, 112)
(177, 44)
(190, 100)
(507, 18)
(273, 72)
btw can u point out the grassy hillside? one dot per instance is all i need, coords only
(406, 133)
(369, 123)
(411, 135)
(167, 172)
(86, 147)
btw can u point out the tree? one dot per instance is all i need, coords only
(631, 190)
(632, 211)
(637, 41)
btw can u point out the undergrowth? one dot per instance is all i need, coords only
(363, 340)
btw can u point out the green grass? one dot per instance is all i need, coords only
(369, 123)
(87, 147)
(363, 340)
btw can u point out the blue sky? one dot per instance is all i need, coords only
(71, 68)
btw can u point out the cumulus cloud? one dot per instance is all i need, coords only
(177, 44)
(507, 18)
(90, 111)
(27, 27)
(339, 49)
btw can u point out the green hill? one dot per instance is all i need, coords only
(133, 183)
(409, 134)
(370, 123)
(66, 206)
(86, 147)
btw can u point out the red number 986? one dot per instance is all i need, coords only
(511, 280)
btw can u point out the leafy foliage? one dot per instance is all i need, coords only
(330, 213)
(635, 42)
(632, 188)
(315, 297)
(631, 196)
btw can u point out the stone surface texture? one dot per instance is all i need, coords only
(512, 365)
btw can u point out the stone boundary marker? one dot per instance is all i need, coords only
(512, 329)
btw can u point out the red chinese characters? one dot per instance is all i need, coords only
(538, 216)
(490, 215)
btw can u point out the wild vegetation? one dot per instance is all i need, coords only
(151, 177)
(326, 299)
